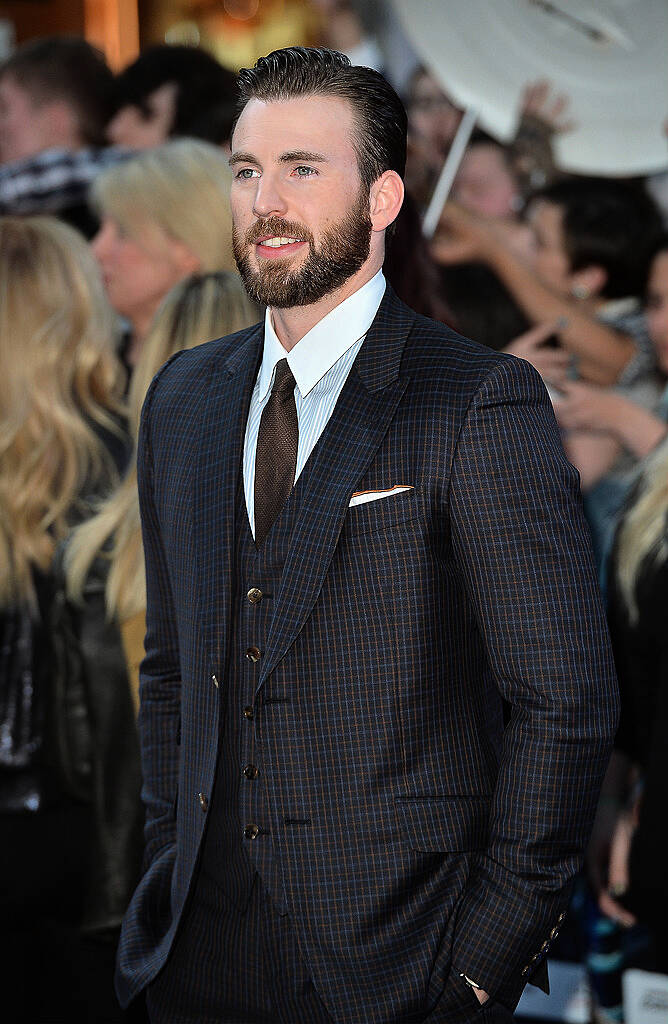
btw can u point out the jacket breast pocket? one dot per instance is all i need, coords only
(447, 824)
(381, 514)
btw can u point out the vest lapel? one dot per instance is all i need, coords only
(347, 446)
(222, 439)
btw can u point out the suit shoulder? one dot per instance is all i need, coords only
(186, 370)
(436, 349)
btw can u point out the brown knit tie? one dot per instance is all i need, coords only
(276, 453)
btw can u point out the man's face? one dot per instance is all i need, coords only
(300, 211)
(24, 127)
(139, 128)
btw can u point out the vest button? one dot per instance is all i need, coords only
(248, 711)
(214, 680)
(203, 801)
(251, 831)
(251, 771)
(253, 654)
(254, 595)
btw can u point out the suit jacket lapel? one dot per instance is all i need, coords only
(222, 438)
(346, 448)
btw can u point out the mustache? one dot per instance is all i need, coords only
(276, 227)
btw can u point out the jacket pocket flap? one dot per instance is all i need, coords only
(445, 824)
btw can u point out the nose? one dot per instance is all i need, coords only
(101, 242)
(269, 199)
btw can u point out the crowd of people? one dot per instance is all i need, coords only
(116, 252)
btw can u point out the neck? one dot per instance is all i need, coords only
(292, 324)
(141, 325)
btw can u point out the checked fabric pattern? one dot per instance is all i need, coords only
(416, 838)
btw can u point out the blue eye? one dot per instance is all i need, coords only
(304, 172)
(247, 172)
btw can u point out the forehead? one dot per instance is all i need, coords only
(483, 158)
(305, 123)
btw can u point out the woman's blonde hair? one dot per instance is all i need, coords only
(203, 307)
(179, 189)
(643, 531)
(59, 378)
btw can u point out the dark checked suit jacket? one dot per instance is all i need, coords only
(416, 837)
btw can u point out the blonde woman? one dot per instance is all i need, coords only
(60, 390)
(164, 215)
(637, 886)
(201, 308)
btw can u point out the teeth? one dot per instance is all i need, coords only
(274, 243)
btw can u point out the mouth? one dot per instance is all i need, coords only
(278, 245)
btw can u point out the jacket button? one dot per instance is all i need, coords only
(251, 831)
(203, 801)
(254, 595)
(248, 711)
(253, 654)
(214, 680)
(251, 771)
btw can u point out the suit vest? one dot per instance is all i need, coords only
(238, 841)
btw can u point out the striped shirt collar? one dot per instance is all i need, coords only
(317, 352)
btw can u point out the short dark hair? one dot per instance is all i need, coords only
(206, 92)
(70, 69)
(609, 223)
(380, 139)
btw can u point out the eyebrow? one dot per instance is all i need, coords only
(285, 158)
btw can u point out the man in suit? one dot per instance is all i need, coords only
(361, 535)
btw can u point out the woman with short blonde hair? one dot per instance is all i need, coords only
(164, 215)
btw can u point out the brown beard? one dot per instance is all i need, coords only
(344, 249)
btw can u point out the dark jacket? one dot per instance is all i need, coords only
(415, 838)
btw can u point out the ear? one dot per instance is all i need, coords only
(589, 281)
(385, 199)
(184, 257)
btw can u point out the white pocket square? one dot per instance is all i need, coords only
(361, 497)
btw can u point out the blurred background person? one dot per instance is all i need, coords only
(433, 120)
(199, 309)
(164, 215)
(55, 92)
(622, 225)
(171, 91)
(636, 887)
(56, 99)
(60, 448)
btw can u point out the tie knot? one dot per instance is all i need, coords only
(284, 382)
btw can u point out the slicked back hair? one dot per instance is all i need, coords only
(295, 71)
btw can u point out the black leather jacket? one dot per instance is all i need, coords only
(68, 733)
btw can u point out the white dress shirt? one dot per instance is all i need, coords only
(320, 363)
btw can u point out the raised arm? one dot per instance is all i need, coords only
(601, 351)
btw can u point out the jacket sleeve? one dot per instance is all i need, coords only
(160, 676)
(522, 548)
